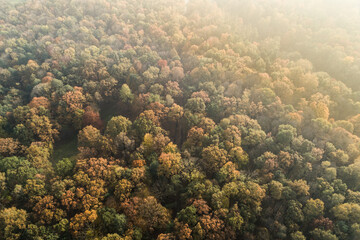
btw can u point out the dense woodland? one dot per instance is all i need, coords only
(174, 120)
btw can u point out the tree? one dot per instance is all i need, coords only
(123, 145)
(195, 140)
(188, 215)
(13, 222)
(286, 134)
(297, 236)
(17, 169)
(347, 212)
(147, 122)
(177, 73)
(33, 125)
(65, 167)
(228, 173)
(35, 187)
(125, 94)
(275, 189)
(235, 219)
(47, 211)
(38, 155)
(339, 157)
(355, 120)
(319, 234)
(95, 168)
(117, 125)
(173, 89)
(313, 208)
(151, 74)
(195, 105)
(323, 223)
(301, 188)
(110, 221)
(9, 146)
(73, 100)
(267, 162)
(147, 214)
(82, 222)
(169, 164)
(91, 117)
(112, 236)
(294, 214)
(239, 157)
(90, 139)
(213, 227)
(123, 189)
(42, 128)
(39, 102)
(182, 231)
(320, 110)
(213, 158)
(264, 95)
(231, 137)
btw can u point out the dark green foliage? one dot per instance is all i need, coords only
(65, 167)
(110, 221)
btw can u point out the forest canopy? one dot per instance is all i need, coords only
(174, 120)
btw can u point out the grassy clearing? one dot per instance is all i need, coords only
(65, 149)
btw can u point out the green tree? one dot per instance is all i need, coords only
(320, 234)
(313, 208)
(117, 125)
(110, 221)
(125, 94)
(65, 167)
(297, 236)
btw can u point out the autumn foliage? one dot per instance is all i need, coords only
(179, 120)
